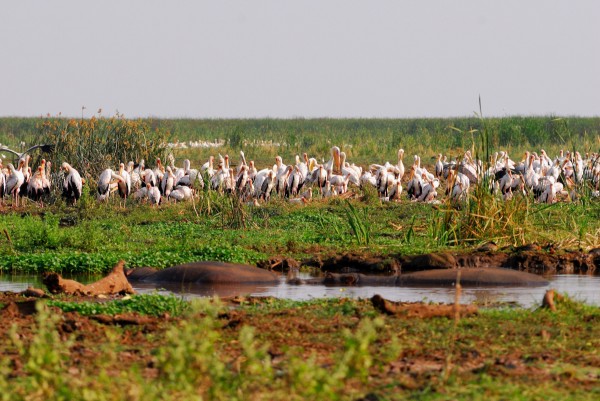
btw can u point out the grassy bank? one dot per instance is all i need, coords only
(92, 237)
(335, 349)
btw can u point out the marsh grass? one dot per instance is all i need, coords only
(358, 221)
(365, 141)
(483, 215)
(92, 145)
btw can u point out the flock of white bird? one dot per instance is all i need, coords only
(549, 180)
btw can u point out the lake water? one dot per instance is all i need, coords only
(582, 288)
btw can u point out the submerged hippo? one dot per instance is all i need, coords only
(435, 278)
(203, 273)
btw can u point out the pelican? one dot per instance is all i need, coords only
(333, 165)
(347, 170)
(400, 165)
(428, 192)
(153, 195)
(242, 161)
(190, 176)
(207, 168)
(180, 193)
(168, 182)
(217, 181)
(368, 178)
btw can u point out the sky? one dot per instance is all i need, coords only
(309, 58)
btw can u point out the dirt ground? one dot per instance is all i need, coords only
(419, 364)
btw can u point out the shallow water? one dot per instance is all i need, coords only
(582, 288)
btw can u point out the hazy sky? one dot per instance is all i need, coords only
(277, 58)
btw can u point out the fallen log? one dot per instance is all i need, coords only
(420, 310)
(114, 283)
(548, 300)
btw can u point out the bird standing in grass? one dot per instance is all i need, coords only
(72, 184)
(14, 182)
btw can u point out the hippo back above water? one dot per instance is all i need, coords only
(472, 277)
(204, 273)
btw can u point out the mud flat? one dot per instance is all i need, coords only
(531, 258)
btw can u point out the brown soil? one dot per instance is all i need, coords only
(286, 328)
(532, 258)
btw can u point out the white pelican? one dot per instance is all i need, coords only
(190, 176)
(153, 195)
(218, 180)
(242, 162)
(168, 182)
(333, 165)
(428, 191)
(395, 191)
(400, 164)
(439, 166)
(339, 182)
(207, 168)
(368, 178)
(352, 172)
(181, 193)
(252, 170)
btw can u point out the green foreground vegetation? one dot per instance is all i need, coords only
(335, 349)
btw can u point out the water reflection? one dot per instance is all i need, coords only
(582, 288)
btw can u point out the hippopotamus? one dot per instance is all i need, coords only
(434, 278)
(203, 273)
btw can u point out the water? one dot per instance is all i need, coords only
(581, 288)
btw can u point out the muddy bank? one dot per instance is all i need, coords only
(531, 259)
